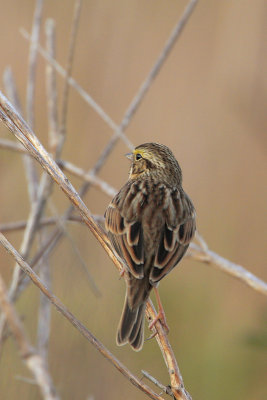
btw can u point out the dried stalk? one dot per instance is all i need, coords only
(158, 64)
(29, 355)
(33, 62)
(51, 88)
(11, 90)
(88, 177)
(13, 146)
(73, 35)
(166, 389)
(19, 225)
(210, 257)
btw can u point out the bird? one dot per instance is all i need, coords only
(150, 223)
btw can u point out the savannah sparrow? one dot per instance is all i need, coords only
(150, 222)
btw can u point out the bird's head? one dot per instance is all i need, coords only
(157, 161)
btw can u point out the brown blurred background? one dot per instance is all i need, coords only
(209, 106)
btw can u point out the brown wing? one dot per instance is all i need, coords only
(177, 232)
(125, 230)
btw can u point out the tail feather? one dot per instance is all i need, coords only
(131, 326)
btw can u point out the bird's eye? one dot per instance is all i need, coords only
(138, 156)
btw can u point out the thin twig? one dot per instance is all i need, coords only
(44, 315)
(61, 224)
(88, 177)
(33, 61)
(11, 89)
(76, 323)
(67, 166)
(176, 380)
(51, 88)
(29, 355)
(13, 146)
(158, 64)
(36, 26)
(46, 221)
(166, 389)
(210, 257)
(73, 35)
(85, 96)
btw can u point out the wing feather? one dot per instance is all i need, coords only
(177, 232)
(124, 230)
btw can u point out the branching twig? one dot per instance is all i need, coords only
(166, 389)
(210, 257)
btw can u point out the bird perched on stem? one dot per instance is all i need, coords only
(150, 222)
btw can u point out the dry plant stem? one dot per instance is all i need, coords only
(23, 133)
(210, 257)
(77, 252)
(158, 64)
(74, 29)
(13, 146)
(32, 359)
(44, 316)
(19, 225)
(176, 380)
(88, 177)
(75, 322)
(32, 224)
(51, 87)
(166, 389)
(31, 171)
(33, 61)
(67, 166)
(87, 98)
(11, 90)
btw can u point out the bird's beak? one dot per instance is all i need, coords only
(129, 155)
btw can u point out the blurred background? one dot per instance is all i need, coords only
(208, 104)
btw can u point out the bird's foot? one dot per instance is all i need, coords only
(162, 318)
